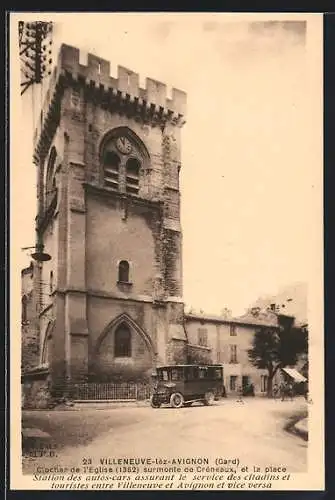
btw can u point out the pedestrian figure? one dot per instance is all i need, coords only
(286, 391)
(290, 390)
(283, 391)
(275, 391)
(240, 394)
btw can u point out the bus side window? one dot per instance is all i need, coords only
(188, 373)
(215, 373)
(176, 374)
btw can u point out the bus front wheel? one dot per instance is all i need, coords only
(154, 402)
(176, 400)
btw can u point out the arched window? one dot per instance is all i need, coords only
(122, 342)
(111, 162)
(123, 271)
(122, 155)
(132, 175)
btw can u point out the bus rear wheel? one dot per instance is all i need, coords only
(176, 400)
(209, 398)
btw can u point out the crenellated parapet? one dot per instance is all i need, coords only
(97, 71)
(120, 94)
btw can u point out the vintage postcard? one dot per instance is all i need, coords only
(166, 245)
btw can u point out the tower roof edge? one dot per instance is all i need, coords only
(97, 70)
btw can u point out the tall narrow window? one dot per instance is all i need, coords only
(132, 175)
(122, 342)
(111, 169)
(123, 272)
(202, 336)
(232, 330)
(233, 382)
(233, 354)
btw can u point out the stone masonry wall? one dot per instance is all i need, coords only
(36, 394)
(29, 331)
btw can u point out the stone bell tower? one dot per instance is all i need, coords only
(108, 157)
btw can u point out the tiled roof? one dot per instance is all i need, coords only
(261, 320)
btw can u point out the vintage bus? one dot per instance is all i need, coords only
(182, 385)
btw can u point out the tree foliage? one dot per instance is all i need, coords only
(276, 348)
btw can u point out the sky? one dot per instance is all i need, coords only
(251, 175)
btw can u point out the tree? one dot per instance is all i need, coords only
(273, 349)
(197, 356)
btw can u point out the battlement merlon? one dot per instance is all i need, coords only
(97, 74)
(127, 81)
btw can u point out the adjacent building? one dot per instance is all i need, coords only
(214, 339)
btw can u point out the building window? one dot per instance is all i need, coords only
(202, 337)
(233, 354)
(122, 344)
(245, 380)
(233, 382)
(111, 163)
(123, 156)
(132, 176)
(264, 383)
(232, 329)
(123, 272)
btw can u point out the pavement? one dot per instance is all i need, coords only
(253, 430)
(301, 428)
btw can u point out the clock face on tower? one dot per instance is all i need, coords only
(123, 145)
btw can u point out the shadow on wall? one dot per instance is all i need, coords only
(127, 370)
